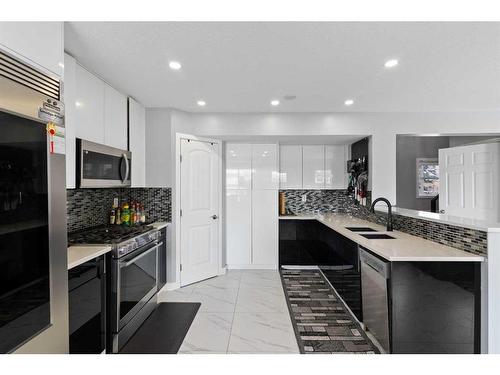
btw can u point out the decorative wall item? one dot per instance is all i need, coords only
(87, 208)
(427, 178)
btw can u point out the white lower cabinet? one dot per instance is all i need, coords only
(238, 227)
(265, 228)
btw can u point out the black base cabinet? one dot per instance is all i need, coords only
(435, 307)
(310, 243)
(87, 315)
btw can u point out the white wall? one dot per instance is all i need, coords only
(382, 126)
(161, 126)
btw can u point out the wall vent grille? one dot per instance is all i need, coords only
(27, 76)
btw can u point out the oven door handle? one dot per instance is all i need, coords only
(136, 258)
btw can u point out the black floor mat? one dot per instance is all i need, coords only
(164, 330)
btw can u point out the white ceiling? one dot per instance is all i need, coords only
(240, 67)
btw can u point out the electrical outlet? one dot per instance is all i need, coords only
(304, 198)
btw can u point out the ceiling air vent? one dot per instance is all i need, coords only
(29, 77)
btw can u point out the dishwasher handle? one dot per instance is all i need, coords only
(378, 265)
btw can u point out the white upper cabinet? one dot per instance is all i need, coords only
(313, 167)
(115, 118)
(69, 97)
(89, 104)
(291, 167)
(335, 167)
(238, 166)
(265, 173)
(39, 42)
(137, 142)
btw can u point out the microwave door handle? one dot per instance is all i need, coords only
(127, 168)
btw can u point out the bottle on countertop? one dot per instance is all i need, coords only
(143, 214)
(126, 215)
(118, 220)
(132, 214)
(112, 217)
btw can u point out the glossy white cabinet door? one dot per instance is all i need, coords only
(89, 104)
(313, 167)
(70, 119)
(265, 227)
(238, 166)
(40, 42)
(335, 167)
(238, 227)
(265, 173)
(115, 118)
(291, 167)
(137, 142)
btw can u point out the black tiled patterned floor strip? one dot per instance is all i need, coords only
(321, 322)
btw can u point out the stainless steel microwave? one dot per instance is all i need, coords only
(100, 166)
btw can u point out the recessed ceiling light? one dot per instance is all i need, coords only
(78, 104)
(61, 65)
(201, 103)
(174, 65)
(391, 63)
(349, 102)
(275, 102)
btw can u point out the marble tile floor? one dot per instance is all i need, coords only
(244, 311)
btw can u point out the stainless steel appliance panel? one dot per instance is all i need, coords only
(20, 99)
(374, 276)
(100, 166)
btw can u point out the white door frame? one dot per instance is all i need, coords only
(177, 202)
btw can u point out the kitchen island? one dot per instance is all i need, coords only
(426, 300)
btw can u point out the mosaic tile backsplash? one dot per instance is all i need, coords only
(87, 208)
(470, 240)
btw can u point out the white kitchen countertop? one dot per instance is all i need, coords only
(482, 225)
(160, 224)
(403, 248)
(80, 254)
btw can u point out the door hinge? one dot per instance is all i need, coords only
(181, 267)
(181, 158)
(181, 212)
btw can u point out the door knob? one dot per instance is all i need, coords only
(214, 217)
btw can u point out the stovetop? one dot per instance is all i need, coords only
(107, 234)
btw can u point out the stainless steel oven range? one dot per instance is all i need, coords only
(133, 274)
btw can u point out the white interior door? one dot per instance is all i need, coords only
(469, 181)
(200, 210)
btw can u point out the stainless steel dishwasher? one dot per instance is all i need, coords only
(375, 274)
